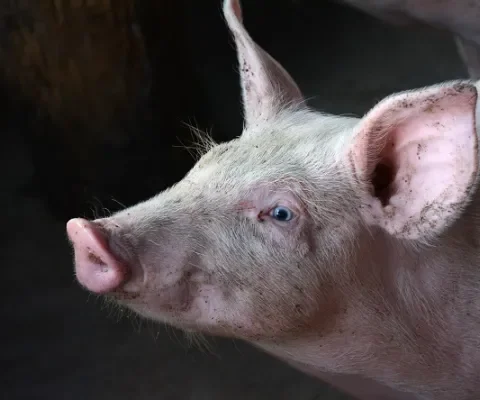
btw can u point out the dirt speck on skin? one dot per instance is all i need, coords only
(421, 148)
(430, 103)
(390, 212)
(460, 87)
(95, 259)
(406, 104)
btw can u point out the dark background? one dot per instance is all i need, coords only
(59, 343)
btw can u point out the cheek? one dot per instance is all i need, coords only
(244, 249)
(295, 240)
(308, 238)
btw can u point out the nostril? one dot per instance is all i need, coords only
(96, 267)
(95, 259)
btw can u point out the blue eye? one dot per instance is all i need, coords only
(282, 214)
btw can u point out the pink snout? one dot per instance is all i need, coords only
(96, 268)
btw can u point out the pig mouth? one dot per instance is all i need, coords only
(172, 306)
(121, 296)
(156, 297)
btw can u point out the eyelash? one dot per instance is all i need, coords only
(262, 214)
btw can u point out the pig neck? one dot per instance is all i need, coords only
(403, 302)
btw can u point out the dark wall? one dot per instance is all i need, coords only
(192, 79)
(188, 75)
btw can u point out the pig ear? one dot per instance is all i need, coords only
(417, 154)
(266, 86)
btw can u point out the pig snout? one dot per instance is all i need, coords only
(97, 268)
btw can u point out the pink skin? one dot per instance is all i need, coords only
(369, 280)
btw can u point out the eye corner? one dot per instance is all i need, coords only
(261, 216)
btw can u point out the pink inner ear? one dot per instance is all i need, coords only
(431, 157)
(420, 152)
(237, 10)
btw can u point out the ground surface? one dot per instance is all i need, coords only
(57, 343)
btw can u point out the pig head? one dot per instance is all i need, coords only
(346, 246)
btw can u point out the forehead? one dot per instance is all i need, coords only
(283, 150)
(246, 160)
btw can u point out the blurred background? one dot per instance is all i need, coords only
(96, 98)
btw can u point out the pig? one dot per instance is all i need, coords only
(460, 17)
(347, 247)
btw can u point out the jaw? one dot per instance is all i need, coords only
(203, 309)
(185, 304)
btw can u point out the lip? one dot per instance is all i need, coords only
(163, 304)
(121, 295)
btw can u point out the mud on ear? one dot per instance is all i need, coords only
(416, 153)
(266, 85)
